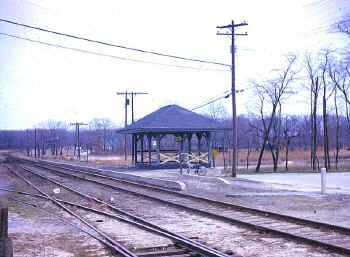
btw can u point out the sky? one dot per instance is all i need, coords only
(40, 82)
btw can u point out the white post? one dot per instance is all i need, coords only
(323, 180)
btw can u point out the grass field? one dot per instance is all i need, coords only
(298, 160)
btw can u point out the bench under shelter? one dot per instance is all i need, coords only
(164, 136)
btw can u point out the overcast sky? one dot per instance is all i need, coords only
(40, 82)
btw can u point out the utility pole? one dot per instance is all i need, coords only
(233, 89)
(126, 119)
(77, 133)
(126, 93)
(126, 124)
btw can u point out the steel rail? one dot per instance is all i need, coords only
(333, 247)
(227, 204)
(118, 248)
(110, 215)
(64, 220)
(55, 215)
(194, 246)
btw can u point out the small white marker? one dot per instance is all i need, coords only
(57, 190)
(224, 180)
(323, 180)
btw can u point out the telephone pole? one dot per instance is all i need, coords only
(77, 135)
(233, 89)
(127, 102)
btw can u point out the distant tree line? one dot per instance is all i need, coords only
(58, 138)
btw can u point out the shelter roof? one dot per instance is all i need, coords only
(172, 119)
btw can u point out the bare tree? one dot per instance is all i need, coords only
(274, 142)
(340, 77)
(313, 71)
(249, 144)
(337, 144)
(103, 127)
(324, 68)
(52, 135)
(217, 111)
(290, 131)
(270, 95)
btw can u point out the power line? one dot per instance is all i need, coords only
(218, 95)
(212, 101)
(108, 55)
(113, 45)
(227, 94)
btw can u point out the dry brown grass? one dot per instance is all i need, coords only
(292, 155)
(297, 159)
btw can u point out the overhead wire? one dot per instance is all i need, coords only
(226, 94)
(216, 96)
(210, 102)
(117, 57)
(111, 44)
(109, 55)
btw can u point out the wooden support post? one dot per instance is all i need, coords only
(158, 149)
(189, 141)
(6, 247)
(149, 138)
(199, 137)
(209, 142)
(141, 137)
(87, 152)
(183, 153)
(135, 147)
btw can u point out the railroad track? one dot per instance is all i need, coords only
(331, 237)
(175, 250)
(182, 245)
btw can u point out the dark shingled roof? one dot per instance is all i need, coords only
(173, 118)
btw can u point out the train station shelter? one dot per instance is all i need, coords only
(172, 134)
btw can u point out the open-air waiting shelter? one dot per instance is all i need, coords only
(164, 137)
